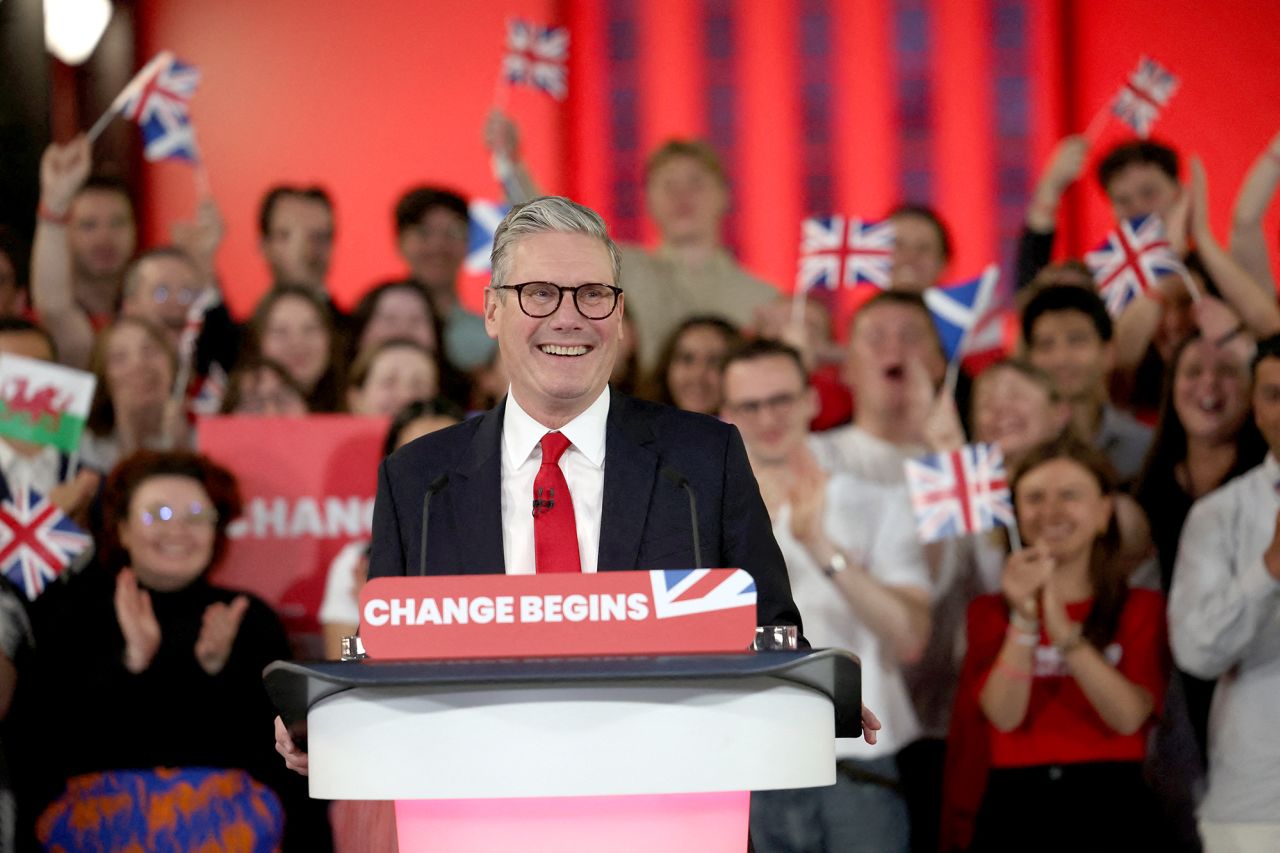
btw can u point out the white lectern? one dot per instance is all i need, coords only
(572, 754)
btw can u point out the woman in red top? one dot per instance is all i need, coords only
(1070, 666)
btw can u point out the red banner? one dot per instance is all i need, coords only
(609, 613)
(308, 487)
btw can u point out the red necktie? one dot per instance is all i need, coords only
(555, 535)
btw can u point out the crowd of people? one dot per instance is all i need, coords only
(1102, 680)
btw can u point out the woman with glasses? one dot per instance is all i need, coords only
(146, 714)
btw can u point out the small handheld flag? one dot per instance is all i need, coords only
(38, 542)
(537, 56)
(957, 308)
(959, 493)
(44, 403)
(1143, 94)
(833, 256)
(1131, 260)
(157, 100)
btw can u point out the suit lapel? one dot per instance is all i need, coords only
(476, 498)
(630, 466)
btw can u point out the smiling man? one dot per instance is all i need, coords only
(564, 475)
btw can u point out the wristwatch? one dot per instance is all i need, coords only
(836, 565)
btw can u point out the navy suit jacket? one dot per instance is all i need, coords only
(645, 520)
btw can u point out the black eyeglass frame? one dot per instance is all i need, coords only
(560, 292)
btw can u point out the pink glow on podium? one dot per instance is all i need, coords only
(673, 823)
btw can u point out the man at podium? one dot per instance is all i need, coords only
(565, 475)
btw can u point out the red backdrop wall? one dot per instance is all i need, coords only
(816, 105)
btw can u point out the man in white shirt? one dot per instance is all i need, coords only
(1224, 623)
(858, 575)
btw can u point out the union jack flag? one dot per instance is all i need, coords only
(37, 541)
(681, 592)
(959, 308)
(832, 256)
(961, 492)
(209, 393)
(1131, 260)
(537, 56)
(1139, 100)
(157, 99)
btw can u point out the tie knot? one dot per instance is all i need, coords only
(554, 445)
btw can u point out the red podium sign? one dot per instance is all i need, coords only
(491, 616)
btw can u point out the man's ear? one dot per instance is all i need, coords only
(492, 298)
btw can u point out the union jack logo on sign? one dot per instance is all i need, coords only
(681, 592)
(1139, 100)
(159, 106)
(37, 541)
(1131, 261)
(537, 56)
(961, 492)
(832, 256)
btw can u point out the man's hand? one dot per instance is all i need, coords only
(218, 631)
(501, 136)
(201, 236)
(871, 725)
(63, 170)
(294, 758)
(1064, 167)
(808, 501)
(137, 622)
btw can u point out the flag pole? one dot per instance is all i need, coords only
(139, 80)
(1015, 539)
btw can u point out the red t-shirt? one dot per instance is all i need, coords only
(1061, 725)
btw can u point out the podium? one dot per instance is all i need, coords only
(566, 754)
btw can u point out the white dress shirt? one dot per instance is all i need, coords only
(1224, 622)
(38, 471)
(583, 467)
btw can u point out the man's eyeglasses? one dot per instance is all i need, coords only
(195, 514)
(777, 403)
(542, 298)
(182, 295)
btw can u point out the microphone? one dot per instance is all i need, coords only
(432, 490)
(681, 482)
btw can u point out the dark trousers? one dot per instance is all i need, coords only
(920, 769)
(1103, 806)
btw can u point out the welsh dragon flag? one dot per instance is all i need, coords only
(42, 402)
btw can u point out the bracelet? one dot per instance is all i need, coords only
(45, 214)
(1226, 339)
(1024, 624)
(1023, 638)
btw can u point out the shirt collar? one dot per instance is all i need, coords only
(521, 433)
(1272, 467)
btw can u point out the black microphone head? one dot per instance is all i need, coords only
(675, 477)
(438, 483)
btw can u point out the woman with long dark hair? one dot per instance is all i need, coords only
(1069, 666)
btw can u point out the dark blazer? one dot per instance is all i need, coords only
(645, 522)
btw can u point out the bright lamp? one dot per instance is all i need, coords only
(72, 28)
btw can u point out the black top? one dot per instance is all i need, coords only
(84, 712)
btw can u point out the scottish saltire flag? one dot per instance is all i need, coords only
(537, 56)
(43, 402)
(958, 493)
(484, 218)
(1131, 261)
(37, 541)
(680, 592)
(958, 308)
(1146, 90)
(157, 99)
(837, 252)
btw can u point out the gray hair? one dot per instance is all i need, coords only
(547, 214)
